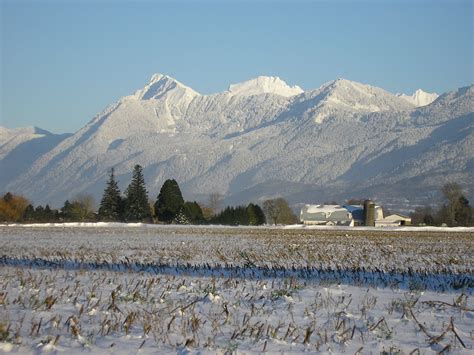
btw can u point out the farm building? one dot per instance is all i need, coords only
(393, 220)
(359, 216)
(325, 215)
(345, 215)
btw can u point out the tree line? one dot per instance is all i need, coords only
(134, 206)
(170, 207)
(455, 209)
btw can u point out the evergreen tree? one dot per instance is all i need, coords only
(241, 216)
(193, 212)
(8, 197)
(39, 213)
(251, 215)
(29, 214)
(232, 216)
(169, 201)
(429, 220)
(181, 217)
(256, 216)
(136, 198)
(48, 214)
(66, 213)
(261, 219)
(110, 208)
(224, 217)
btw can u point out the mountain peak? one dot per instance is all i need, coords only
(341, 83)
(264, 85)
(350, 97)
(160, 84)
(157, 77)
(419, 98)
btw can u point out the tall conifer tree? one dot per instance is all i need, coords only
(193, 211)
(136, 198)
(169, 201)
(110, 208)
(256, 216)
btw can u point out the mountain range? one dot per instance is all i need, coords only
(259, 139)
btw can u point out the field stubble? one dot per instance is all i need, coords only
(218, 290)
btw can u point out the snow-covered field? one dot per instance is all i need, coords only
(165, 289)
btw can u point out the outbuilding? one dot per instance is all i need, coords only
(393, 220)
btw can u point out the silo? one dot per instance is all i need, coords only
(369, 213)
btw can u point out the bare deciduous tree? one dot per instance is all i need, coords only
(215, 202)
(452, 193)
(279, 212)
(82, 206)
(12, 207)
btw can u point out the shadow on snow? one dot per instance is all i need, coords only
(410, 280)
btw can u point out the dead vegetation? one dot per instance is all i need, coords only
(59, 307)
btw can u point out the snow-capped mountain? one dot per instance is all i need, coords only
(264, 85)
(419, 98)
(264, 138)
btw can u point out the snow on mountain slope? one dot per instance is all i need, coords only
(11, 139)
(20, 147)
(419, 98)
(264, 85)
(344, 139)
(348, 98)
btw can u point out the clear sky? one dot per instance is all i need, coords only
(64, 61)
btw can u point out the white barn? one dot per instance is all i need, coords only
(325, 215)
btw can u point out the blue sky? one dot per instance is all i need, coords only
(64, 61)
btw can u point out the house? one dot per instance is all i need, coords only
(394, 220)
(325, 215)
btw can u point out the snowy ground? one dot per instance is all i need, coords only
(290, 226)
(212, 290)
